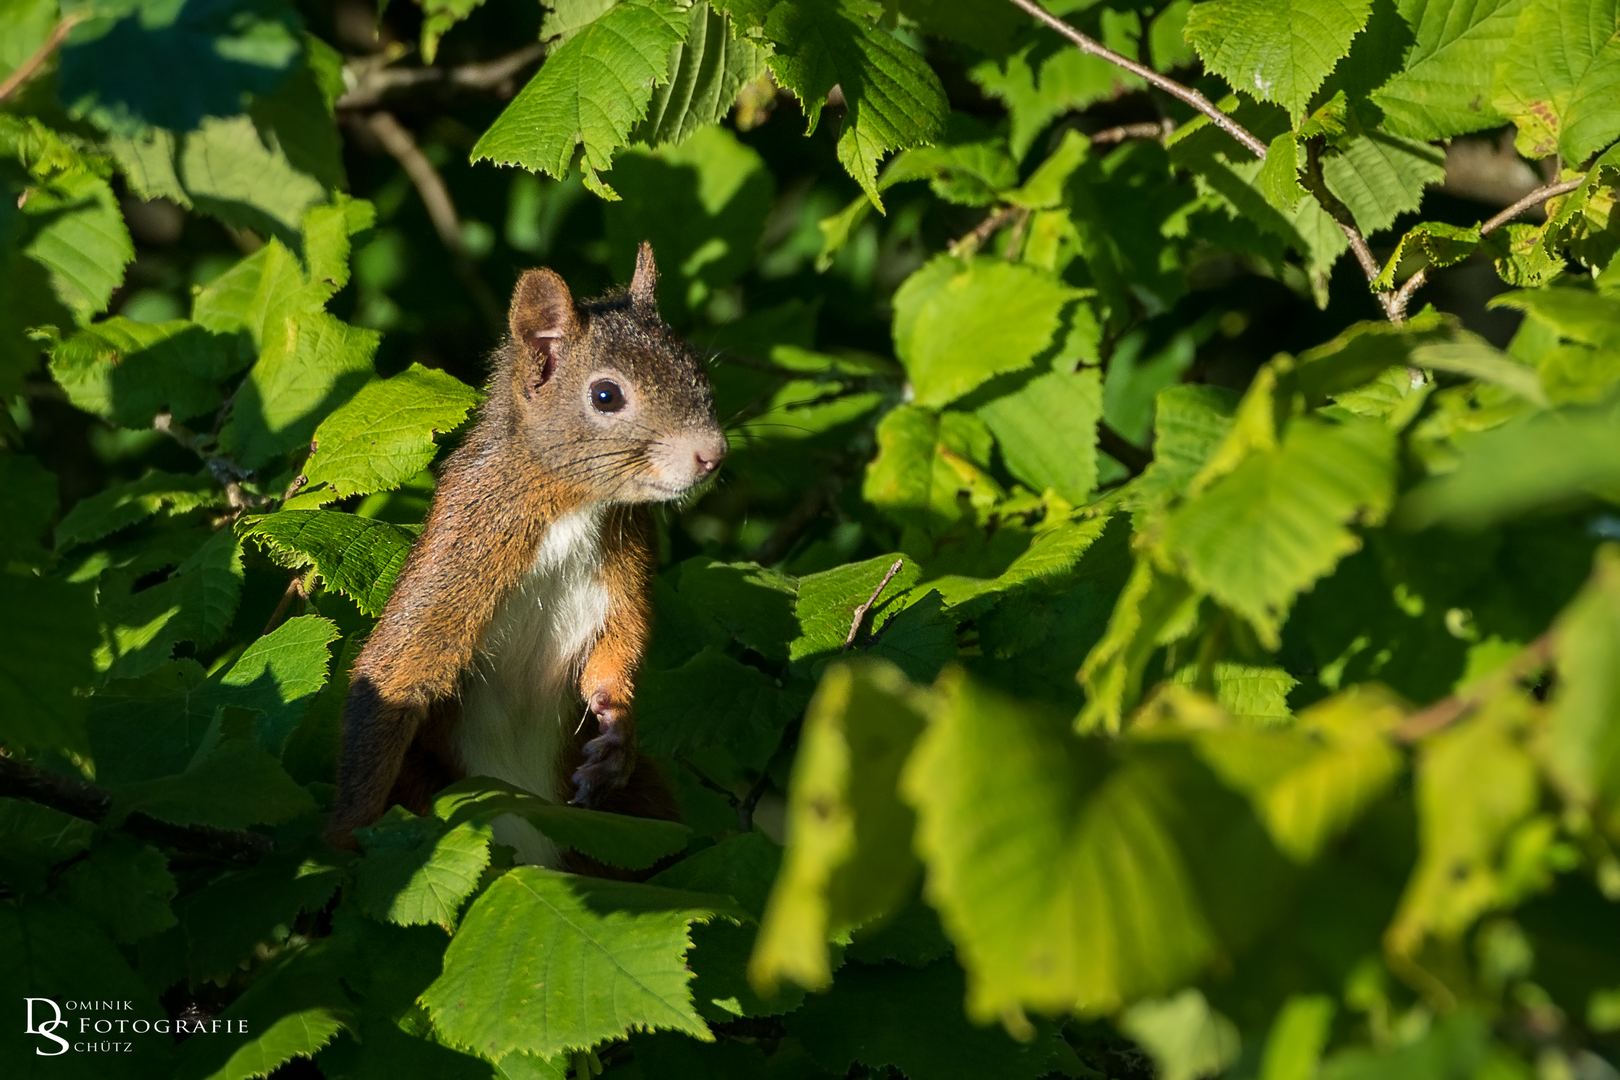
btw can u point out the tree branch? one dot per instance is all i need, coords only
(401, 144)
(860, 612)
(26, 69)
(1169, 86)
(1535, 198)
(974, 239)
(227, 472)
(374, 81)
(1448, 710)
(1158, 129)
(92, 803)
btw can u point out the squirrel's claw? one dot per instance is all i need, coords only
(609, 758)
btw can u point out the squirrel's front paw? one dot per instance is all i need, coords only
(609, 757)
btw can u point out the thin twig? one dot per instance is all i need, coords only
(226, 472)
(295, 588)
(756, 791)
(1448, 710)
(860, 612)
(1170, 86)
(1403, 296)
(1340, 213)
(80, 799)
(1535, 198)
(401, 144)
(27, 68)
(1111, 442)
(1157, 129)
(373, 82)
(971, 241)
(706, 780)
(800, 518)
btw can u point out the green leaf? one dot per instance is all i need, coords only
(42, 660)
(417, 871)
(235, 913)
(1250, 693)
(129, 371)
(28, 501)
(705, 72)
(1559, 93)
(1052, 866)
(310, 364)
(1189, 423)
(123, 505)
(547, 962)
(701, 204)
(1186, 1037)
(848, 833)
(911, 1021)
(827, 602)
(81, 239)
(893, 97)
(1583, 741)
(1477, 360)
(1380, 177)
(1475, 783)
(713, 700)
(1277, 52)
(1438, 243)
(1442, 91)
(212, 55)
(1041, 82)
(294, 1007)
(439, 16)
(1544, 459)
(1278, 178)
(1154, 609)
(37, 838)
(926, 463)
(195, 604)
(589, 93)
(383, 435)
(237, 786)
(47, 950)
(124, 885)
(279, 675)
(958, 323)
(358, 557)
(634, 843)
(1310, 781)
(26, 25)
(1047, 431)
(1297, 1037)
(1263, 533)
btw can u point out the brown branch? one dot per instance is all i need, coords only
(1448, 710)
(226, 472)
(1403, 296)
(296, 589)
(401, 145)
(860, 612)
(1170, 86)
(756, 791)
(1111, 442)
(441, 209)
(1340, 213)
(80, 799)
(26, 69)
(1157, 129)
(972, 240)
(1535, 198)
(375, 81)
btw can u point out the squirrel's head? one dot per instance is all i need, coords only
(606, 393)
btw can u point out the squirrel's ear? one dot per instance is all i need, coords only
(542, 316)
(644, 286)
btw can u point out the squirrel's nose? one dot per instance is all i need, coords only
(708, 458)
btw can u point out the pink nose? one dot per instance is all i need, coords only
(708, 459)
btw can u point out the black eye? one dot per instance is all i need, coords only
(606, 396)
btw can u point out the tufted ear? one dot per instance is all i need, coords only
(542, 317)
(644, 285)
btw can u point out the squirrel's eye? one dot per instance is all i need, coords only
(606, 396)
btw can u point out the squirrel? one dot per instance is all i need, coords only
(523, 608)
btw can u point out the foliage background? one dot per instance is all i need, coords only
(1237, 694)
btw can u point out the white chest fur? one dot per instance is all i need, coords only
(520, 703)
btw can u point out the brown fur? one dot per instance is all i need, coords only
(534, 455)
